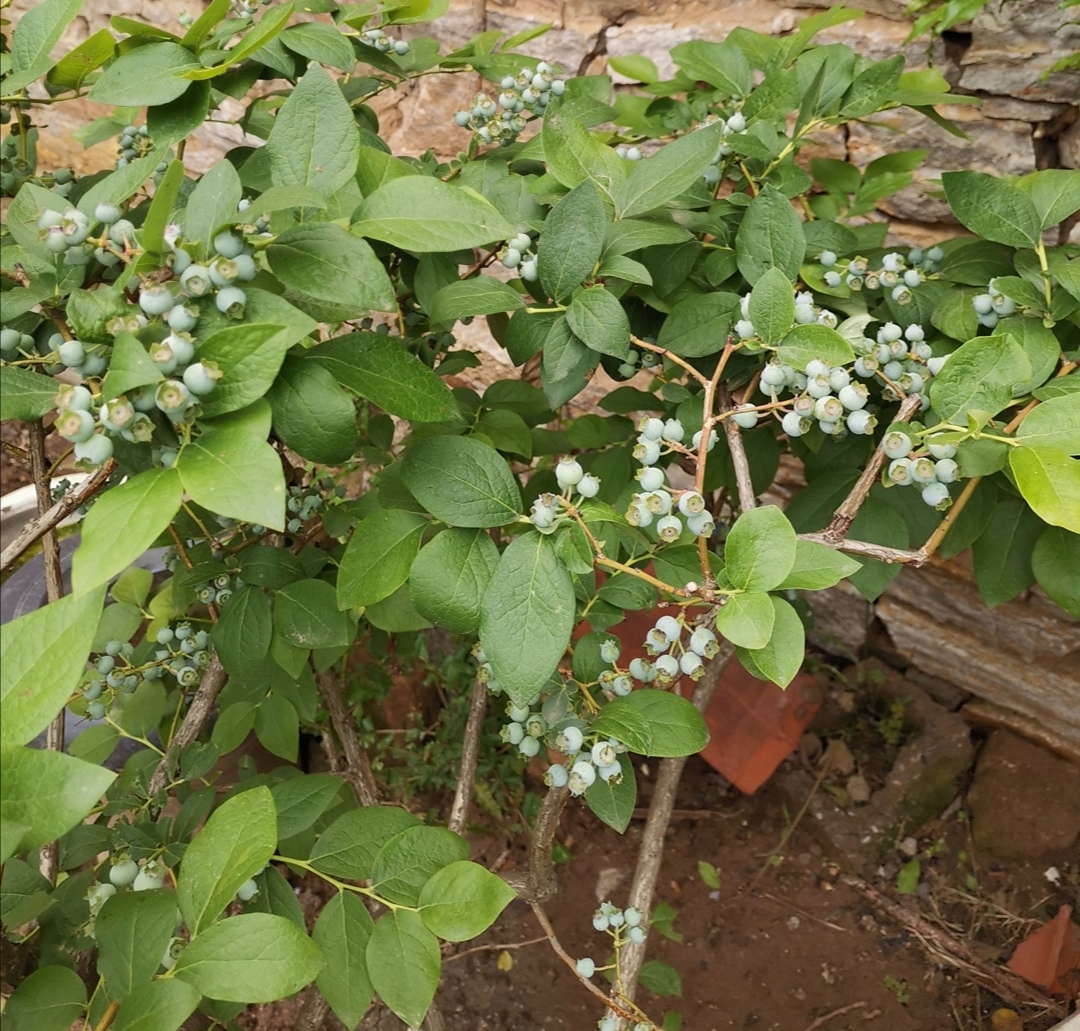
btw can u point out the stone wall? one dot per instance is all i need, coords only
(1025, 119)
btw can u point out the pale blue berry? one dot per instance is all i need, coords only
(896, 444)
(585, 967)
(936, 495)
(556, 776)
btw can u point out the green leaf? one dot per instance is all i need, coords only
(483, 295)
(747, 619)
(567, 363)
(24, 893)
(34, 37)
(266, 566)
(377, 368)
(145, 76)
(992, 208)
(132, 933)
(572, 240)
(637, 67)
(300, 801)
(1053, 424)
(157, 1006)
(250, 357)
(233, 472)
(816, 567)
(804, 343)
(42, 657)
(574, 155)
(613, 800)
(872, 88)
(287, 198)
(405, 863)
(242, 634)
(526, 616)
(979, 377)
(24, 394)
(403, 962)
(277, 723)
(781, 658)
(213, 203)
(313, 415)
(378, 557)
(143, 507)
(130, 367)
(597, 318)
(47, 792)
(348, 847)
(630, 234)
(760, 549)
(1055, 562)
(709, 875)
(421, 214)
(315, 140)
(1002, 555)
(1055, 192)
(71, 71)
(772, 306)
(450, 575)
(118, 187)
(256, 957)
(699, 325)
(623, 721)
(462, 900)
(678, 729)
(306, 614)
(50, 998)
(669, 172)
(462, 482)
(328, 263)
(1050, 483)
(269, 26)
(343, 931)
(322, 43)
(660, 978)
(722, 65)
(769, 236)
(234, 845)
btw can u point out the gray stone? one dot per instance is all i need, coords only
(1069, 146)
(1025, 801)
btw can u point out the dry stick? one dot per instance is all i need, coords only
(651, 853)
(549, 931)
(498, 947)
(40, 526)
(747, 500)
(1006, 984)
(54, 589)
(313, 1010)
(822, 1021)
(196, 718)
(846, 513)
(881, 552)
(541, 882)
(459, 811)
(357, 766)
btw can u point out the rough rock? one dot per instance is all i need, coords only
(1025, 801)
(1069, 146)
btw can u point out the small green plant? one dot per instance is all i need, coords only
(899, 988)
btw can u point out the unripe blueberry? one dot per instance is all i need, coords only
(72, 353)
(227, 244)
(899, 471)
(123, 872)
(156, 300)
(912, 277)
(149, 877)
(701, 525)
(116, 414)
(854, 396)
(75, 425)
(568, 472)
(609, 650)
(794, 425)
(585, 967)
(230, 302)
(195, 280)
(95, 710)
(691, 503)
(121, 232)
(172, 396)
(936, 495)
(651, 429)
(896, 444)
(647, 452)
(636, 935)
(201, 378)
(56, 242)
(937, 450)
(570, 740)
(610, 772)
(182, 347)
(588, 486)
(703, 642)
(690, 663)
(107, 213)
(603, 753)
(642, 670)
(746, 416)
(556, 776)
(946, 470)
(737, 122)
(223, 271)
(667, 668)
(860, 421)
(582, 776)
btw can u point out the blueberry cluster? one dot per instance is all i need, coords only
(519, 254)
(931, 470)
(588, 760)
(15, 170)
(896, 273)
(134, 143)
(546, 514)
(503, 120)
(638, 360)
(305, 502)
(182, 652)
(992, 306)
(671, 656)
(670, 509)
(628, 151)
(625, 926)
(218, 589)
(383, 43)
(525, 730)
(733, 125)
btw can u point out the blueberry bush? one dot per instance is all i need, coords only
(263, 370)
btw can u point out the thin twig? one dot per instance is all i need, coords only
(549, 931)
(41, 525)
(849, 509)
(949, 519)
(357, 765)
(739, 461)
(1006, 984)
(49, 859)
(196, 718)
(108, 1017)
(499, 947)
(822, 1021)
(647, 870)
(803, 913)
(470, 750)
(879, 551)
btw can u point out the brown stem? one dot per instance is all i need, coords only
(647, 870)
(313, 1010)
(846, 513)
(681, 362)
(823, 1020)
(470, 750)
(949, 519)
(541, 882)
(878, 551)
(56, 514)
(357, 766)
(497, 947)
(54, 589)
(196, 718)
(747, 500)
